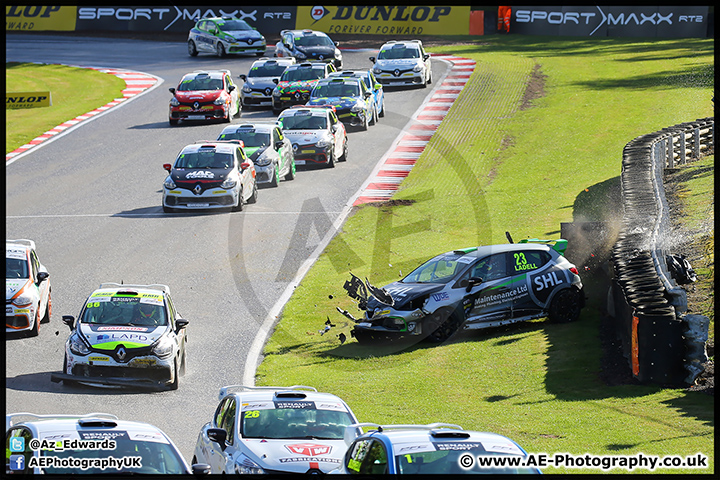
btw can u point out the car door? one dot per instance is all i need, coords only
(204, 41)
(229, 423)
(43, 286)
(338, 131)
(492, 299)
(542, 276)
(214, 453)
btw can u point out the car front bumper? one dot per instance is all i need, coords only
(18, 319)
(264, 174)
(207, 112)
(311, 154)
(102, 369)
(407, 78)
(212, 198)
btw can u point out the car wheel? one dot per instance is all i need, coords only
(69, 383)
(173, 121)
(565, 306)
(275, 178)
(276, 110)
(240, 204)
(176, 380)
(343, 157)
(331, 158)
(364, 125)
(441, 325)
(220, 49)
(36, 327)
(253, 197)
(429, 79)
(381, 113)
(183, 365)
(192, 49)
(374, 116)
(291, 172)
(48, 309)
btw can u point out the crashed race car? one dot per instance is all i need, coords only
(471, 288)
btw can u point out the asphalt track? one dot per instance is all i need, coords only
(89, 195)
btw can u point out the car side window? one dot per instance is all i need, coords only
(491, 267)
(228, 421)
(528, 260)
(277, 135)
(171, 311)
(220, 412)
(18, 457)
(35, 264)
(375, 462)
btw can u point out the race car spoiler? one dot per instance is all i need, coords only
(152, 286)
(559, 245)
(10, 419)
(120, 382)
(351, 431)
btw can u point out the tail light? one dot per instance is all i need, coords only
(575, 271)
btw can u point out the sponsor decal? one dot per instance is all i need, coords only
(296, 405)
(200, 174)
(487, 299)
(101, 435)
(28, 100)
(40, 18)
(129, 328)
(309, 449)
(440, 296)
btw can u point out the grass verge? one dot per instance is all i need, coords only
(74, 91)
(494, 166)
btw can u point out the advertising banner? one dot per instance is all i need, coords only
(27, 100)
(24, 18)
(615, 21)
(385, 20)
(180, 19)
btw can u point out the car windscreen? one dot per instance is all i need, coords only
(250, 137)
(397, 52)
(137, 457)
(234, 25)
(267, 70)
(123, 310)
(313, 41)
(335, 90)
(204, 158)
(200, 83)
(294, 423)
(440, 269)
(303, 122)
(446, 460)
(16, 268)
(302, 74)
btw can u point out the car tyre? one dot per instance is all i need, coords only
(48, 309)
(183, 364)
(176, 380)
(365, 123)
(381, 113)
(35, 331)
(275, 178)
(441, 325)
(374, 116)
(220, 49)
(167, 209)
(173, 122)
(240, 204)
(192, 49)
(254, 196)
(343, 157)
(331, 158)
(69, 383)
(565, 306)
(291, 172)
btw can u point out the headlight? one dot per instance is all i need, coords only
(248, 466)
(276, 92)
(358, 107)
(168, 183)
(376, 70)
(22, 299)
(301, 55)
(164, 347)
(246, 88)
(174, 102)
(264, 159)
(78, 346)
(338, 54)
(229, 183)
(219, 101)
(418, 68)
(323, 142)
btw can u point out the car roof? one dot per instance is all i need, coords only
(22, 244)
(402, 42)
(262, 127)
(485, 250)
(314, 110)
(111, 287)
(219, 146)
(249, 393)
(305, 31)
(279, 61)
(45, 424)
(208, 73)
(351, 73)
(307, 65)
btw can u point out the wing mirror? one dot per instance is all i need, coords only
(42, 276)
(172, 90)
(69, 320)
(471, 282)
(180, 323)
(243, 77)
(167, 167)
(218, 435)
(231, 88)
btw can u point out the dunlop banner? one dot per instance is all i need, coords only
(40, 18)
(385, 20)
(27, 100)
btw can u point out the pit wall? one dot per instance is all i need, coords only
(390, 21)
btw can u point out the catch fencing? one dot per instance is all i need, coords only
(664, 345)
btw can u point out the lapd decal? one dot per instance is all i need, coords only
(543, 282)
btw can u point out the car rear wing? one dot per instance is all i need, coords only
(152, 286)
(245, 388)
(22, 241)
(559, 245)
(11, 418)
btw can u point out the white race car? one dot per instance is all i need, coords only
(27, 287)
(126, 335)
(275, 430)
(402, 63)
(316, 133)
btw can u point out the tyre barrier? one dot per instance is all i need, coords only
(662, 344)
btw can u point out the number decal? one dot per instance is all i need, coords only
(252, 414)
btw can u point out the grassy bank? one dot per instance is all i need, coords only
(74, 91)
(504, 161)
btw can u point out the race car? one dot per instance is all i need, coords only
(261, 81)
(296, 82)
(317, 135)
(210, 175)
(400, 63)
(353, 103)
(204, 95)
(371, 83)
(225, 35)
(270, 151)
(274, 430)
(309, 46)
(471, 288)
(51, 444)
(28, 300)
(126, 335)
(437, 448)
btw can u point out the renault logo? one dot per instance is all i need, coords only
(268, 91)
(320, 57)
(297, 95)
(197, 190)
(396, 72)
(121, 353)
(196, 105)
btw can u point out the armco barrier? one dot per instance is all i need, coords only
(662, 344)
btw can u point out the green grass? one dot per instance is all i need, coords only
(74, 91)
(493, 167)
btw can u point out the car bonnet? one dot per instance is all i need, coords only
(202, 175)
(403, 293)
(305, 136)
(14, 285)
(342, 102)
(109, 337)
(296, 455)
(198, 95)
